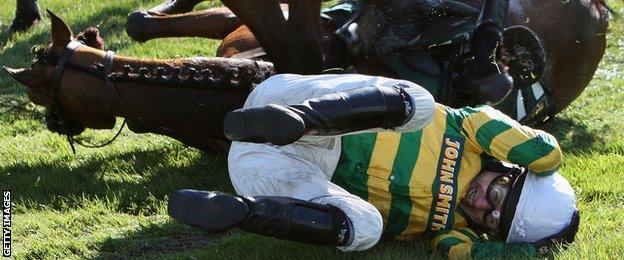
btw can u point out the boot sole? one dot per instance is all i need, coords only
(272, 124)
(209, 211)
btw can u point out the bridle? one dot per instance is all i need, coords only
(57, 113)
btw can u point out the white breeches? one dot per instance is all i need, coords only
(303, 170)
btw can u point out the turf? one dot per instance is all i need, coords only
(111, 202)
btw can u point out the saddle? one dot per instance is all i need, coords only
(437, 55)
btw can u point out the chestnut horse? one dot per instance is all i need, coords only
(573, 33)
(182, 98)
(152, 94)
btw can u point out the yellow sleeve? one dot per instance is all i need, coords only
(499, 136)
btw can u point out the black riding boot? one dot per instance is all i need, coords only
(483, 74)
(332, 114)
(279, 217)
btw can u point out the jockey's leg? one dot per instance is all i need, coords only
(289, 185)
(280, 217)
(483, 73)
(376, 103)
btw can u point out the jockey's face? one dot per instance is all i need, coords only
(484, 199)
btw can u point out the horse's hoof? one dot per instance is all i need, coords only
(175, 6)
(21, 24)
(207, 210)
(136, 23)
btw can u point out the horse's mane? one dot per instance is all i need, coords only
(91, 37)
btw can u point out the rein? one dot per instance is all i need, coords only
(56, 106)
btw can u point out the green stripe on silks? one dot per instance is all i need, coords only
(402, 171)
(488, 131)
(531, 150)
(445, 245)
(495, 250)
(355, 157)
(453, 127)
(442, 183)
(473, 237)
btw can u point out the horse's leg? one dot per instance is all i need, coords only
(304, 22)
(175, 6)
(266, 21)
(26, 14)
(214, 23)
(268, 24)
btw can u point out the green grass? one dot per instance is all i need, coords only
(111, 202)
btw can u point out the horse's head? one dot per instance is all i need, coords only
(39, 77)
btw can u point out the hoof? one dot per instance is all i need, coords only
(175, 6)
(207, 210)
(136, 23)
(23, 24)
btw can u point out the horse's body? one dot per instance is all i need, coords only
(573, 33)
(193, 112)
(189, 109)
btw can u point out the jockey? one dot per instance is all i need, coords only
(343, 160)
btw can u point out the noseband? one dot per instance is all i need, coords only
(56, 118)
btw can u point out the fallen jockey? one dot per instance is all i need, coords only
(344, 160)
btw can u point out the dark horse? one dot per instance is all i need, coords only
(92, 86)
(573, 33)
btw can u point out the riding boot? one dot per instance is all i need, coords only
(332, 114)
(483, 74)
(279, 217)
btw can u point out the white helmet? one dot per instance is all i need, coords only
(537, 207)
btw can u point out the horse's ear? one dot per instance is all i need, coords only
(61, 34)
(29, 77)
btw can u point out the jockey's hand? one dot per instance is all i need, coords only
(563, 238)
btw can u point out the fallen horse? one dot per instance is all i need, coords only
(151, 94)
(573, 34)
(85, 86)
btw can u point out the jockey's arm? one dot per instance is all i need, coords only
(464, 243)
(499, 136)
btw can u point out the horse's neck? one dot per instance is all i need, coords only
(191, 111)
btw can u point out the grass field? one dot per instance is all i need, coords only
(111, 202)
